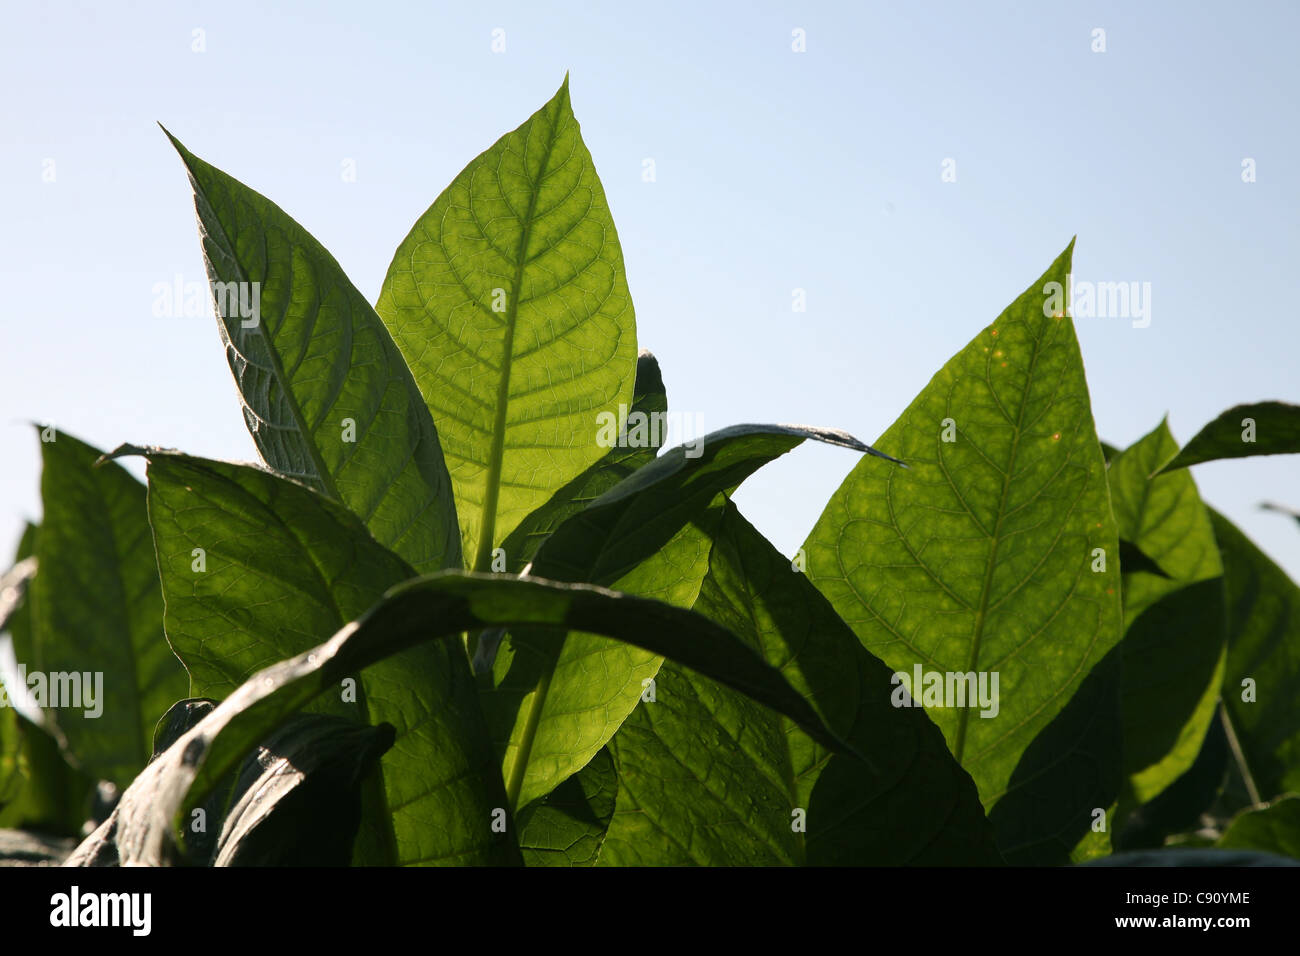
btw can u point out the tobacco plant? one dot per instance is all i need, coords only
(467, 610)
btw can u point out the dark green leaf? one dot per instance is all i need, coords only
(1176, 633)
(327, 396)
(1262, 683)
(1271, 829)
(97, 610)
(1264, 428)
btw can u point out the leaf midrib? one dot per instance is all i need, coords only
(981, 616)
(496, 454)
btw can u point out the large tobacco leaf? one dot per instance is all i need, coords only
(509, 301)
(978, 558)
(327, 397)
(97, 610)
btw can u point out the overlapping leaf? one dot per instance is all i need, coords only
(556, 704)
(1262, 683)
(709, 777)
(284, 567)
(1175, 637)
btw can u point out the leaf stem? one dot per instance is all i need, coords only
(1239, 755)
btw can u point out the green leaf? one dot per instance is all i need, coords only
(1271, 829)
(710, 777)
(97, 610)
(1176, 633)
(327, 397)
(1264, 650)
(568, 825)
(556, 703)
(434, 607)
(283, 567)
(509, 302)
(1264, 428)
(977, 560)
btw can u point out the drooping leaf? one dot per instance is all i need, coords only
(978, 558)
(1176, 633)
(97, 612)
(707, 776)
(430, 608)
(327, 397)
(509, 301)
(1271, 829)
(1262, 428)
(1262, 682)
(556, 703)
(282, 568)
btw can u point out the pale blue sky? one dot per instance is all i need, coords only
(775, 170)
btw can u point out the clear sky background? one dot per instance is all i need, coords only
(775, 170)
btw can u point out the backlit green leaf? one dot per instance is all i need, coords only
(978, 559)
(509, 302)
